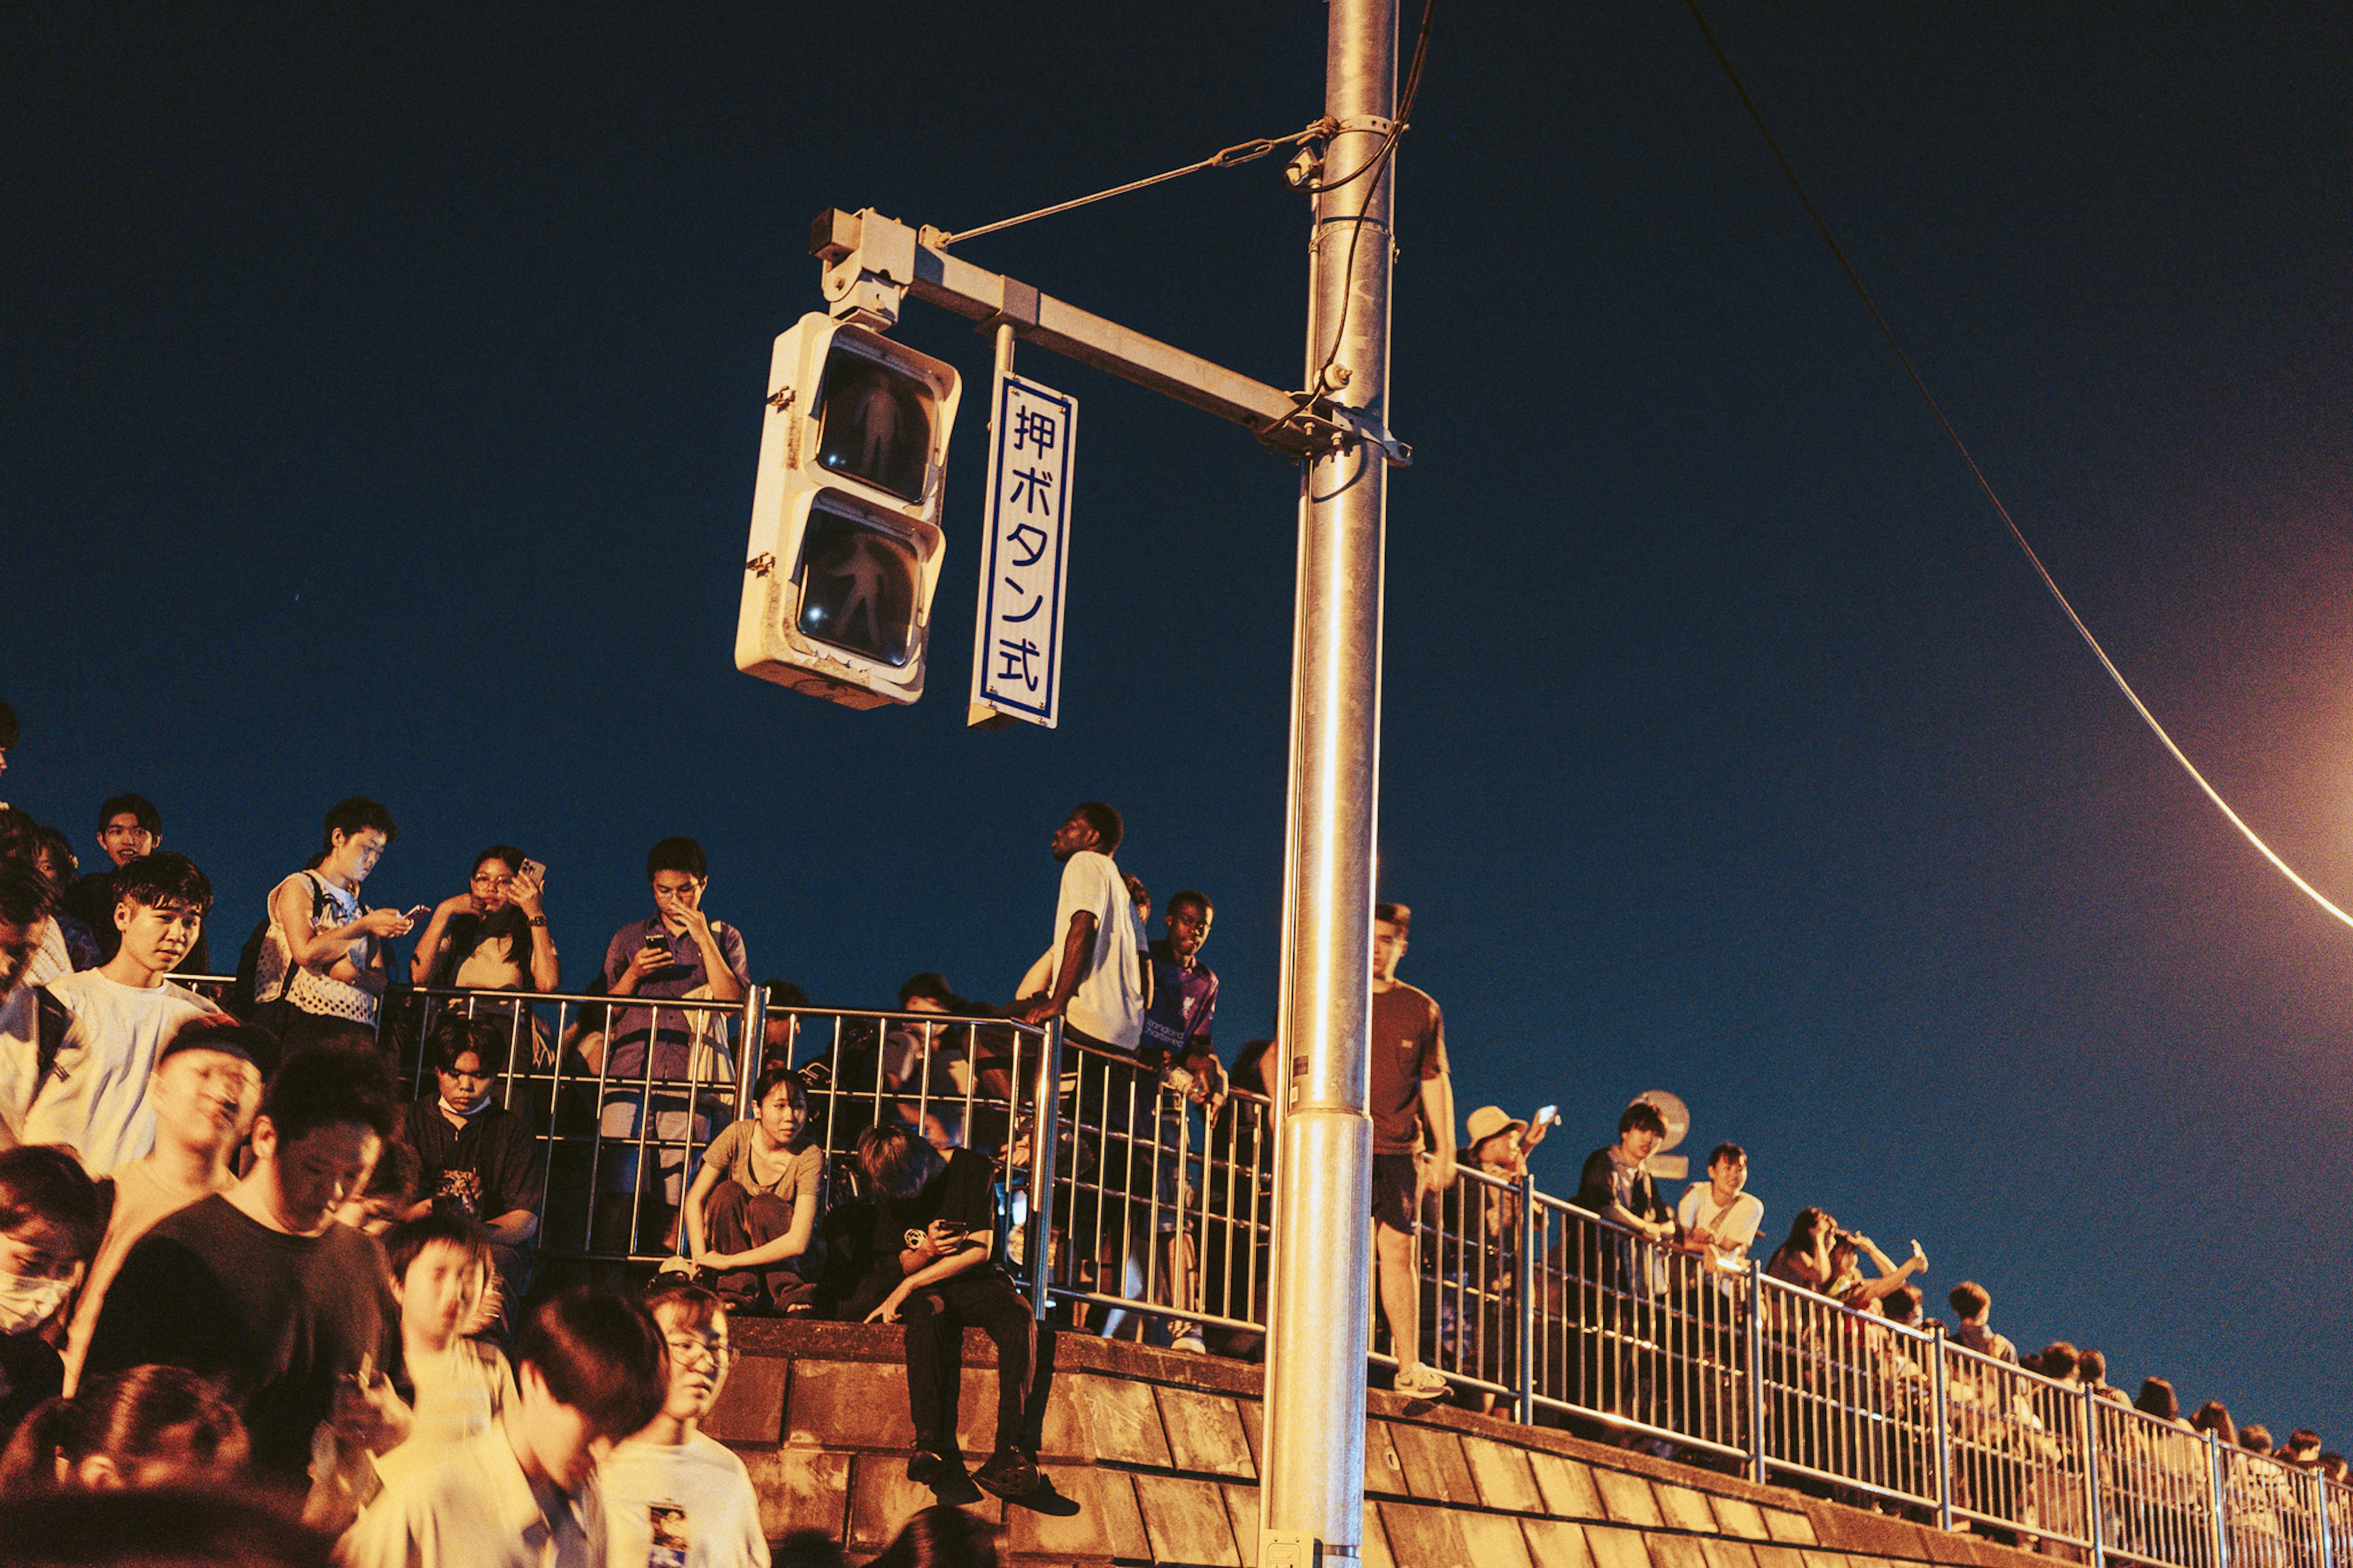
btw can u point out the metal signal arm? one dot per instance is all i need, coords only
(871, 263)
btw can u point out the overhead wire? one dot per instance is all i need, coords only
(1952, 434)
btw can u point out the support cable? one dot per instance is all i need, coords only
(1240, 152)
(1920, 385)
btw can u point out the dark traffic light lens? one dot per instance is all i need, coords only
(876, 422)
(858, 586)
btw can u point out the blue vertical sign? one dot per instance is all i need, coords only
(1016, 664)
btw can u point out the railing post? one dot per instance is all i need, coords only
(2214, 1489)
(1943, 1428)
(1753, 1333)
(1524, 1285)
(754, 1044)
(2092, 1496)
(2319, 1485)
(1044, 1132)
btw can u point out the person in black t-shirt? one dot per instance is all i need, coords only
(262, 1289)
(476, 1157)
(931, 1269)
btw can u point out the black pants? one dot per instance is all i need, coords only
(936, 1318)
(736, 1220)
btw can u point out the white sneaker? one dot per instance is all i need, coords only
(1189, 1341)
(1420, 1382)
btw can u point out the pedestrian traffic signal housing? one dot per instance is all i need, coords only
(845, 539)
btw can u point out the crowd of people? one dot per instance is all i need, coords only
(230, 1251)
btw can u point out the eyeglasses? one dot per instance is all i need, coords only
(689, 1349)
(484, 880)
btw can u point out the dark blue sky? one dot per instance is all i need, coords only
(384, 387)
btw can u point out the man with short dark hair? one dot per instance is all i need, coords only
(76, 1053)
(1718, 1216)
(1615, 1181)
(1974, 1305)
(129, 826)
(260, 1288)
(1097, 983)
(474, 1156)
(324, 958)
(590, 1370)
(2091, 1371)
(929, 1266)
(1411, 1097)
(679, 953)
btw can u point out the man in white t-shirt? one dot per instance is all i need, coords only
(205, 1090)
(75, 1054)
(673, 1496)
(1719, 1220)
(1098, 985)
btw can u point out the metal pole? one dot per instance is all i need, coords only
(1311, 1498)
(2214, 1494)
(2319, 1485)
(754, 1048)
(1047, 1105)
(2092, 1493)
(1944, 1431)
(1524, 1285)
(1753, 1333)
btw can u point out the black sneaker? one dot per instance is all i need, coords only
(1010, 1473)
(944, 1476)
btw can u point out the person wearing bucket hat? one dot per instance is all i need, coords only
(1498, 1145)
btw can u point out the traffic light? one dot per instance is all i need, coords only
(846, 540)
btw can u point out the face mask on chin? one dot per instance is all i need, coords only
(28, 1303)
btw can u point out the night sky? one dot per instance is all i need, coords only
(385, 386)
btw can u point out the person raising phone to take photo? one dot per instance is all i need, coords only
(493, 936)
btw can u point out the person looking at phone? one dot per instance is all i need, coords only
(930, 1266)
(324, 958)
(493, 936)
(677, 953)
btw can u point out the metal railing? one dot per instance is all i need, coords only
(1125, 1192)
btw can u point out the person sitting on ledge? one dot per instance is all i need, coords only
(931, 1268)
(752, 1214)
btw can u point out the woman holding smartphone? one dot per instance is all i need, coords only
(493, 936)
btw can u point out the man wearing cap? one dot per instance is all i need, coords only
(206, 1086)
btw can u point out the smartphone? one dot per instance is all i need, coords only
(658, 938)
(1550, 1114)
(953, 1228)
(417, 914)
(534, 870)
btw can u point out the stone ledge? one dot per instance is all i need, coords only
(1162, 1452)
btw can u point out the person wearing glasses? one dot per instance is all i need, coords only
(493, 936)
(671, 1493)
